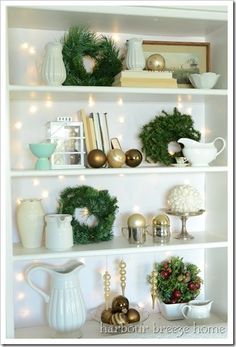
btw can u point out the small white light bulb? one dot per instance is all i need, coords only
(20, 296)
(121, 120)
(33, 109)
(20, 277)
(120, 101)
(24, 45)
(91, 101)
(18, 125)
(136, 208)
(32, 50)
(35, 182)
(45, 194)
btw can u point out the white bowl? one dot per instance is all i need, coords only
(206, 80)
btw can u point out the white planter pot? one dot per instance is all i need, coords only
(30, 222)
(171, 311)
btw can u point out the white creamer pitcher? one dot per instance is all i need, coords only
(201, 154)
(196, 309)
(65, 304)
(135, 59)
(58, 232)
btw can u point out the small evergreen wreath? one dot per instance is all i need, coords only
(80, 42)
(157, 134)
(93, 213)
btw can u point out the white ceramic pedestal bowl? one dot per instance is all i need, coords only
(206, 80)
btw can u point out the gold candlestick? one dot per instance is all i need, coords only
(122, 266)
(107, 283)
(154, 287)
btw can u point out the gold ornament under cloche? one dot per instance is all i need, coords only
(133, 157)
(116, 158)
(133, 315)
(96, 158)
(136, 220)
(161, 228)
(155, 62)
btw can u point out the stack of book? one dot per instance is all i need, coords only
(96, 131)
(150, 79)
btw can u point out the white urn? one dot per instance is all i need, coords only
(30, 222)
(53, 68)
(135, 59)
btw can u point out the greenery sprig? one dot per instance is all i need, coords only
(80, 42)
(98, 203)
(177, 281)
(157, 134)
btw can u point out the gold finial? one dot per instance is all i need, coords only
(107, 283)
(122, 266)
(154, 287)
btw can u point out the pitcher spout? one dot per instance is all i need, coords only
(188, 142)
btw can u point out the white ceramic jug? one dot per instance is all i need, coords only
(201, 154)
(30, 222)
(197, 309)
(65, 304)
(135, 59)
(58, 232)
(53, 68)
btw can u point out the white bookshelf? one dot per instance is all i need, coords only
(144, 187)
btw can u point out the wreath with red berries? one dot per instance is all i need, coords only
(177, 282)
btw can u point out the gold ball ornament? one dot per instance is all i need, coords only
(136, 220)
(155, 62)
(119, 318)
(120, 304)
(116, 158)
(161, 219)
(133, 157)
(96, 158)
(133, 315)
(106, 316)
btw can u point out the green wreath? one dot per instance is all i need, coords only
(80, 42)
(95, 204)
(157, 134)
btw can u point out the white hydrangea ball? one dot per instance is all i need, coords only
(184, 198)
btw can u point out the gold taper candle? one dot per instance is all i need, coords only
(107, 283)
(122, 266)
(154, 287)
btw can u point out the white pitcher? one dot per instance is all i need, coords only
(196, 309)
(65, 305)
(53, 68)
(201, 154)
(135, 59)
(58, 232)
(30, 222)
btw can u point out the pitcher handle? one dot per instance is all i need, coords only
(123, 230)
(184, 312)
(28, 274)
(223, 147)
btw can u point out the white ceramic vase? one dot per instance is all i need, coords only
(30, 222)
(53, 68)
(135, 59)
(58, 232)
(65, 305)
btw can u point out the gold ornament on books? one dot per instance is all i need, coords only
(155, 62)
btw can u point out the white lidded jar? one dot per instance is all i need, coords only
(30, 222)
(58, 232)
(53, 68)
(135, 59)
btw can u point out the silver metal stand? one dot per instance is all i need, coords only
(184, 235)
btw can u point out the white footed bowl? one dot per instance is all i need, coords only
(206, 80)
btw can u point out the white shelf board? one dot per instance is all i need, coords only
(21, 92)
(120, 171)
(119, 245)
(140, 20)
(154, 327)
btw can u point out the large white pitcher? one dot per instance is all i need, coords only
(58, 232)
(65, 304)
